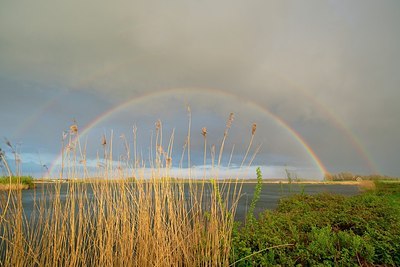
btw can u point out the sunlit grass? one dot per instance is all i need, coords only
(122, 218)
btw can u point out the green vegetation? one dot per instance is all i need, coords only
(348, 176)
(391, 188)
(257, 192)
(24, 180)
(324, 230)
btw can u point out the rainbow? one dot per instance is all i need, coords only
(34, 116)
(147, 96)
(328, 113)
(337, 122)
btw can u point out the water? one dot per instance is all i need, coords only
(269, 198)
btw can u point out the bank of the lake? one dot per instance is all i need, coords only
(16, 183)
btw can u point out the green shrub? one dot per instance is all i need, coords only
(256, 196)
(387, 187)
(27, 180)
(322, 230)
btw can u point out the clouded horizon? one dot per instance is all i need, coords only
(320, 78)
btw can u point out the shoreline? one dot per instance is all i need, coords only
(273, 181)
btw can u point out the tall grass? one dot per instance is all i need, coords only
(24, 182)
(157, 221)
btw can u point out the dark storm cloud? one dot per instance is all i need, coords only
(283, 55)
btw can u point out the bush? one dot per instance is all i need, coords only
(387, 187)
(322, 230)
(26, 180)
(348, 176)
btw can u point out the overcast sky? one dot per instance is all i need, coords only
(329, 70)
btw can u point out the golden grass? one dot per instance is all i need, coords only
(367, 185)
(120, 223)
(123, 222)
(6, 187)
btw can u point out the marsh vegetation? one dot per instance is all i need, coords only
(124, 219)
(14, 182)
(128, 219)
(324, 230)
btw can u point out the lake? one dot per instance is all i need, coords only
(269, 198)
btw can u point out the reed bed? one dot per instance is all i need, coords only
(129, 221)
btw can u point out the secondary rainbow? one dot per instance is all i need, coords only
(336, 121)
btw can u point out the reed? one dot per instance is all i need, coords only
(115, 220)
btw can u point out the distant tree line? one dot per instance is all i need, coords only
(348, 176)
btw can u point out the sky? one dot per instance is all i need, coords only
(319, 78)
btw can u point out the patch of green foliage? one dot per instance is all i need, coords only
(322, 230)
(390, 190)
(348, 176)
(387, 187)
(256, 196)
(27, 180)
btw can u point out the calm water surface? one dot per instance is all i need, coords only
(270, 194)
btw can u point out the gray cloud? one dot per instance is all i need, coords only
(302, 60)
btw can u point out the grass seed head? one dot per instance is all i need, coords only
(230, 120)
(168, 162)
(204, 131)
(73, 129)
(8, 143)
(158, 125)
(253, 128)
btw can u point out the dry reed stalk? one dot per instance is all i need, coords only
(158, 146)
(64, 136)
(254, 155)
(5, 208)
(253, 131)
(17, 159)
(110, 154)
(204, 134)
(168, 155)
(228, 126)
(134, 131)
(366, 184)
(106, 222)
(188, 139)
(183, 154)
(151, 151)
